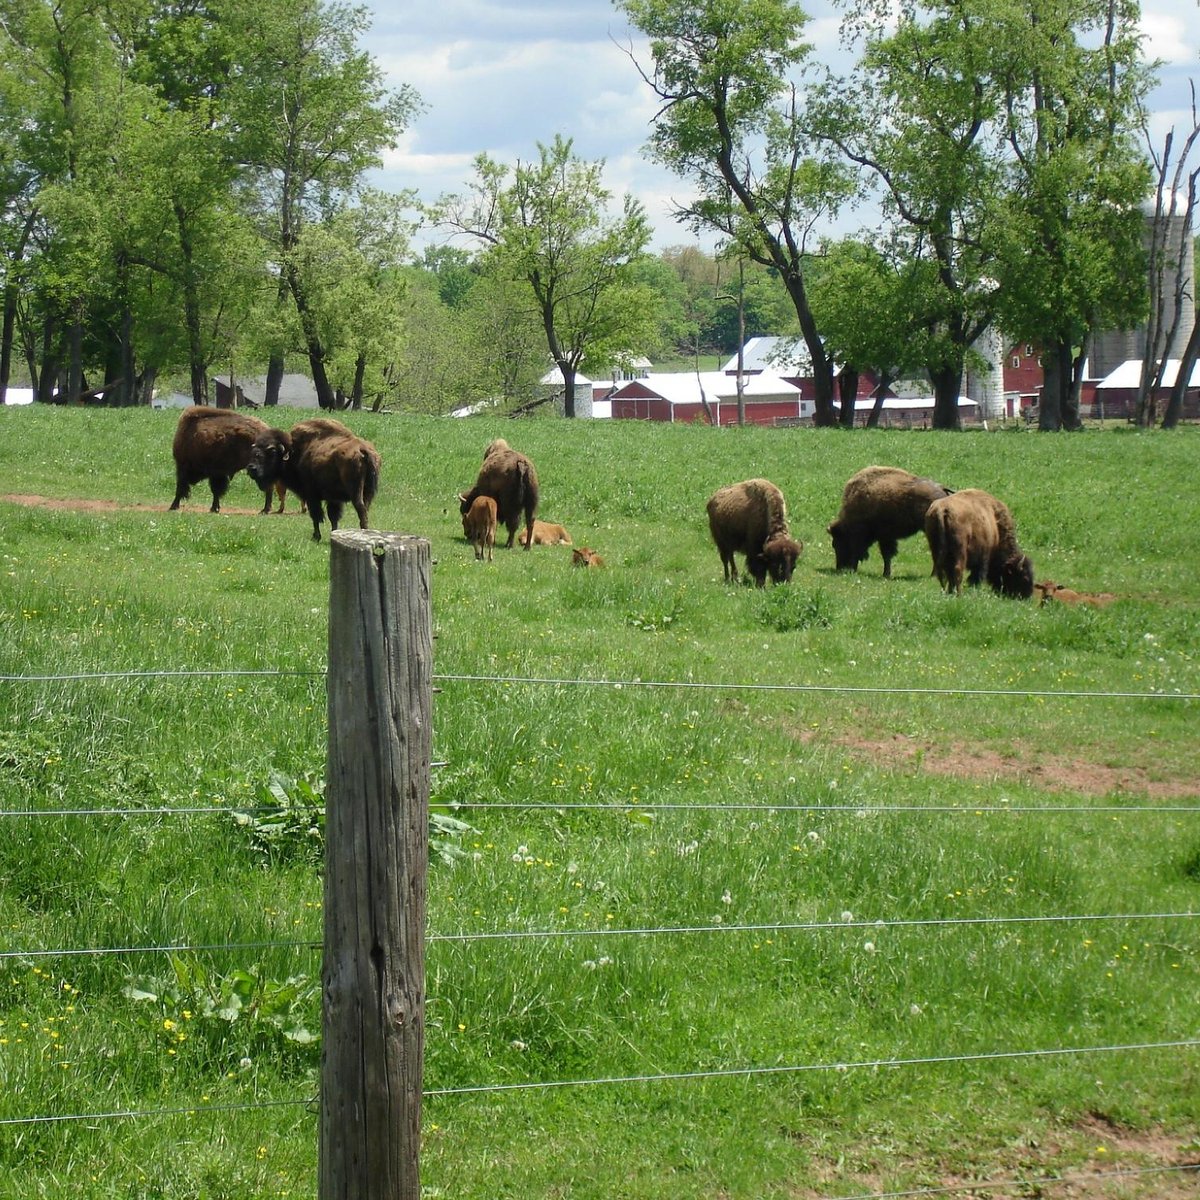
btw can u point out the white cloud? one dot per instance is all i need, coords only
(499, 77)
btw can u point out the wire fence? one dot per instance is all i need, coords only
(33, 954)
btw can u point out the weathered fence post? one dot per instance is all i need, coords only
(376, 828)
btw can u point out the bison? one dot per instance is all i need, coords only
(545, 533)
(510, 479)
(880, 504)
(751, 518)
(213, 444)
(323, 463)
(972, 533)
(1057, 593)
(585, 556)
(479, 524)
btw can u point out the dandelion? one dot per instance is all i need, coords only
(245, 1064)
(847, 916)
(869, 947)
(813, 836)
(516, 1044)
(726, 898)
(914, 1010)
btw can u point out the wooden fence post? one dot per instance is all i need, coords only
(377, 834)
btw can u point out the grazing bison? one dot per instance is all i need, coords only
(510, 479)
(213, 444)
(880, 504)
(323, 463)
(1056, 593)
(479, 524)
(546, 533)
(972, 533)
(585, 556)
(751, 518)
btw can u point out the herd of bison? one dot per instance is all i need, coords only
(971, 534)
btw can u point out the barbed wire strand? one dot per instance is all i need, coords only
(646, 931)
(626, 806)
(1025, 1183)
(854, 689)
(857, 809)
(800, 1068)
(620, 684)
(665, 1077)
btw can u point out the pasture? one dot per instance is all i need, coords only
(936, 856)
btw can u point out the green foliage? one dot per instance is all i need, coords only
(189, 1001)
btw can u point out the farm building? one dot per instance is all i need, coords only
(680, 396)
(1116, 393)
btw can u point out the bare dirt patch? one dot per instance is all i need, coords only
(1021, 763)
(1093, 1159)
(81, 504)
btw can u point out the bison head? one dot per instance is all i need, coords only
(849, 546)
(777, 558)
(268, 455)
(1016, 577)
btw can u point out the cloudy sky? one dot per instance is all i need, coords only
(503, 75)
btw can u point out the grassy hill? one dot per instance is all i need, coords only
(948, 833)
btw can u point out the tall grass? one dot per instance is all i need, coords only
(1045, 755)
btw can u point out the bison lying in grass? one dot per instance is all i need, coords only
(971, 533)
(545, 533)
(750, 518)
(213, 444)
(508, 478)
(1050, 592)
(324, 463)
(880, 504)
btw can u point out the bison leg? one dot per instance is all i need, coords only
(360, 507)
(512, 523)
(317, 513)
(335, 512)
(268, 496)
(281, 493)
(219, 485)
(888, 548)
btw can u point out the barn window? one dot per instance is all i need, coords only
(1028, 349)
(1016, 362)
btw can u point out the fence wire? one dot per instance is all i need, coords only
(501, 935)
(633, 682)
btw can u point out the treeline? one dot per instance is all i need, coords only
(183, 195)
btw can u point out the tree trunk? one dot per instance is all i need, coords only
(568, 374)
(881, 388)
(847, 395)
(947, 387)
(191, 311)
(274, 380)
(356, 393)
(75, 362)
(12, 295)
(1191, 352)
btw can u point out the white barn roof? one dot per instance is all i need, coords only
(1129, 375)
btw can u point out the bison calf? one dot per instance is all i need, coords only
(479, 524)
(880, 504)
(585, 556)
(324, 464)
(547, 534)
(213, 444)
(971, 533)
(750, 518)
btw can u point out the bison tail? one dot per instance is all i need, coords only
(370, 465)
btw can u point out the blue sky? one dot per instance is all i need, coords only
(503, 75)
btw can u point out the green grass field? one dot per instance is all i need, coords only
(935, 767)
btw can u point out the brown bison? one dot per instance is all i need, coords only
(585, 556)
(1050, 592)
(751, 518)
(510, 479)
(880, 504)
(213, 444)
(323, 463)
(479, 524)
(972, 533)
(545, 533)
